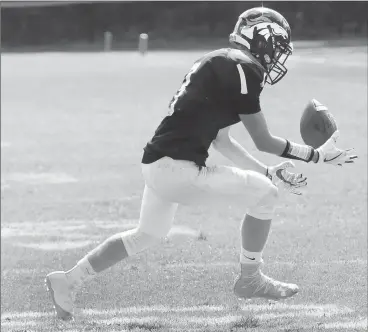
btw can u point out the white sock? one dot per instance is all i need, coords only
(248, 257)
(81, 272)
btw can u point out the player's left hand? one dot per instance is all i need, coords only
(283, 179)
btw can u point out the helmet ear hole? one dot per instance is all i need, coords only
(261, 44)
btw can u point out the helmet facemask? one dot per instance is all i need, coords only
(276, 70)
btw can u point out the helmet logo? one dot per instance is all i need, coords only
(264, 31)
(256, 19)
(267, 58)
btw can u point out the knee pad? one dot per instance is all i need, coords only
(266, 206)
(136, 241)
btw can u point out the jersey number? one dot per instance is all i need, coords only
(184, 85)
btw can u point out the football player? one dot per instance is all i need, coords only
(221, 89)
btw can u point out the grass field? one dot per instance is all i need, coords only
(72, 131)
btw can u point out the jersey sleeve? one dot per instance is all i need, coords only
(245, 90)
(239, 81)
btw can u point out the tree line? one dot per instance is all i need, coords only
(169, 24)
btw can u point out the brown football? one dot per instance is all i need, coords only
(316, 124)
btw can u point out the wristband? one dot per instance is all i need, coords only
(298, 152)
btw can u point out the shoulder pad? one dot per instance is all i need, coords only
(222, 52)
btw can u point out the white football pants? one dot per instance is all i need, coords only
(171, 182)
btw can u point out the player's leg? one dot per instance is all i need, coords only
(254, 235)
(155, 221)
(156, 218)
(257, 193)
(216, 185)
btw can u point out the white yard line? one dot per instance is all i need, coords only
(193, 318)
(54, 245)
(347, 325)
(254, 308)
(229, 263)
(17, 324)
(57, 246)
(40, 178)
(67, 228)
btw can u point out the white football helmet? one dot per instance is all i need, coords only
(266, 34)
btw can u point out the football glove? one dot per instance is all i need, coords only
(285, 180)
(330, 154)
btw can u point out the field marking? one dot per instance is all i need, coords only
(254, 308)
(65, 237)
(200, 265)
(61, 227)
(346, 325)
(19, 324)
(180, 321)
(297, 314)
(335, 326)
(40, 178)
(195, 317)
(121, 227)
(66, 224)
(53, 228)
(231, 264)
(58, 228)
(183, 321)
(54, 245)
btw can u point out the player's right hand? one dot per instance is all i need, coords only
(329, 153)
(283, 179)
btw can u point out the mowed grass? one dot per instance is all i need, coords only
(73, 127)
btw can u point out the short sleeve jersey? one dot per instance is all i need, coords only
(220, 86)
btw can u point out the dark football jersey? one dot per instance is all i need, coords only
(220, 86)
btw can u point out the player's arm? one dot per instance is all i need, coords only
(245, 90)
(231, 149)
(278, 174)
(246, 87)
(265, 141)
